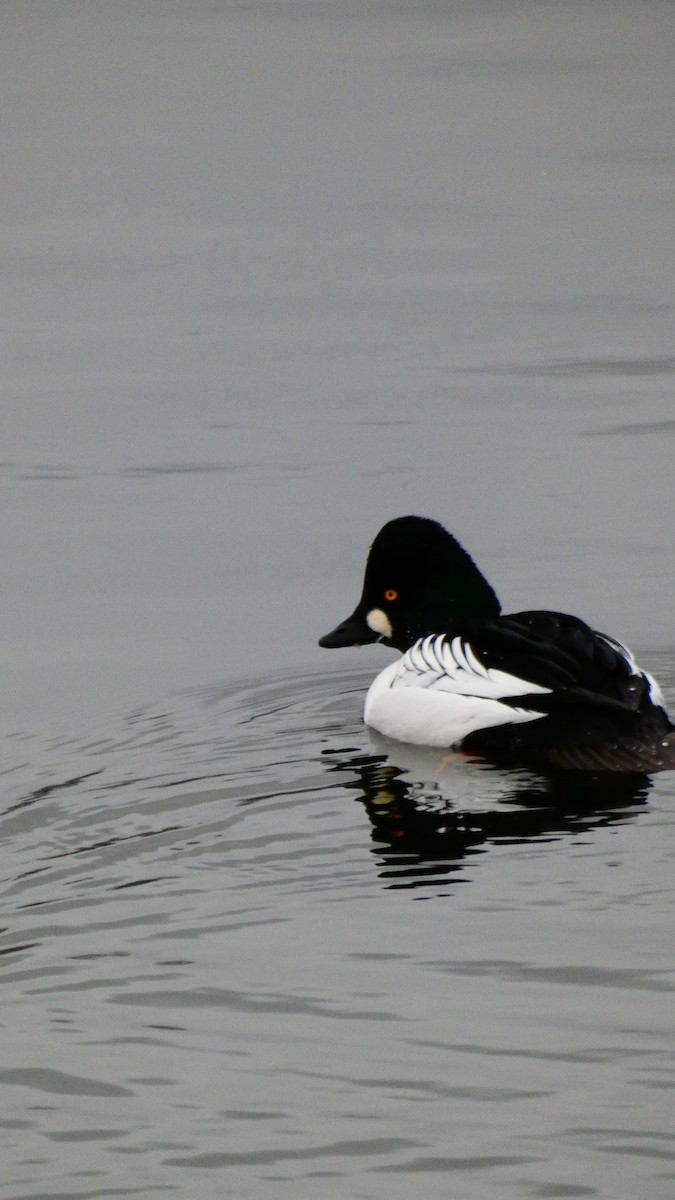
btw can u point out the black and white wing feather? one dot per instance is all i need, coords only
(450, 664)
(536, 684)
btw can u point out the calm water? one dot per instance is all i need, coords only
(272, 274)
(247, 954)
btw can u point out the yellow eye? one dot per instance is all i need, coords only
(390, 594)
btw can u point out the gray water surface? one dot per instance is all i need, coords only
(273, 274)
(249, 953)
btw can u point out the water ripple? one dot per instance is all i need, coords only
(213, 949)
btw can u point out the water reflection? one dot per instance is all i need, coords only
(424, 830)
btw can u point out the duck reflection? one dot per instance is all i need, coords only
(429, 814)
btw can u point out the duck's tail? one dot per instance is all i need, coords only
(627, 754)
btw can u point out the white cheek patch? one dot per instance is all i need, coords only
(379, 622)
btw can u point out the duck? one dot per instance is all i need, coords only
(537, 687)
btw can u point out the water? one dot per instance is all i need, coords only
(248, 953)
(273, 274)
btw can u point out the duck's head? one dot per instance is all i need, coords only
(418, 579)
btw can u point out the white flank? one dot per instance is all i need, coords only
(438, 693)
(653, 688)
(655, 694)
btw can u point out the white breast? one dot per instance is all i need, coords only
(438, 693)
